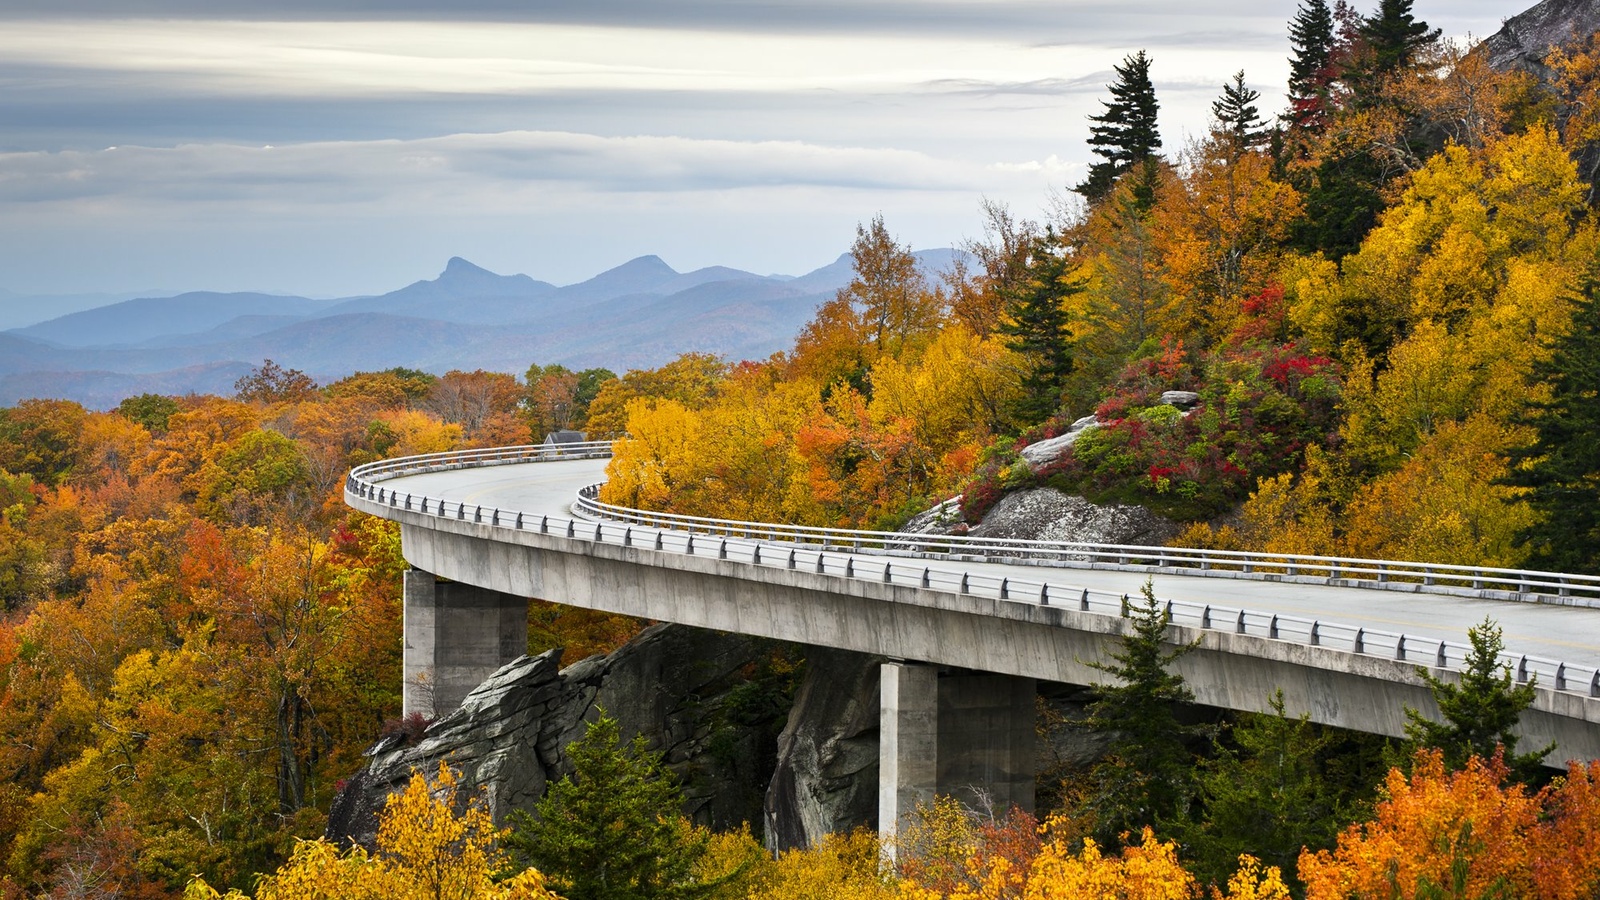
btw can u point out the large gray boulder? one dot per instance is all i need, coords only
(1046, 514)
(826, 777)
(680, 687)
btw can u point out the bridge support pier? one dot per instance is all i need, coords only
(966, 734)
(456, 635)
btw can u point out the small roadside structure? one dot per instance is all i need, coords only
(566, 437)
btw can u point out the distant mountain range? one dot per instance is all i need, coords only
(639, 314)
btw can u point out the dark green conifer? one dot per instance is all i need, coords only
(1125, 133)
(1393, 36)
(1268, 793)
(1238, 118)
(1562, 467)
(1311, 67)
(1038, 329)
(1479, 711)
(1147, 777)
(614, 829)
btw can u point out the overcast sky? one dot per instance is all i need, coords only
(332, 147)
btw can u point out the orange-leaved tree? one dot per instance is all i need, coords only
(1471, 833)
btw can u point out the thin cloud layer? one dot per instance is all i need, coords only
(488, 165)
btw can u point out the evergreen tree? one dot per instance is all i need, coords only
(1562, 467)
(1479, 711)
(1147, 776)
(614, 828)
(1237, 117)
(1124, 134)
(1269, 792)
(1037, 328)
(1393, 36)
(1311, 67)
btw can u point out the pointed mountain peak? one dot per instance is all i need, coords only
(644, 264)
(458, 267)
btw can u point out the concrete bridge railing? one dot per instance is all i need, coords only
(894, 558)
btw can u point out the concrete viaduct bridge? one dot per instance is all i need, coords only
(968, 625)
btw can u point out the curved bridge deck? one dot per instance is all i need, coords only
(1336, 650)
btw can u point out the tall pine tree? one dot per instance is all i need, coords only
(1562, 467)
(1238, 118)
(1037, 328)
(1311, 67)
(1394, 36)
(1479, 711)
(1124, 134)
(1148, 776)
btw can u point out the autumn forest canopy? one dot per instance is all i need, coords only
(1384, 298)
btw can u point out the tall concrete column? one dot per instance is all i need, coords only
(456, 635)
(987, 740)
(969, 735)
(908, 741)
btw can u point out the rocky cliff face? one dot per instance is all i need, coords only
(697, 696)
(1527, 38)
(826, 777)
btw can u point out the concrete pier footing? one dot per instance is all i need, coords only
(456, 635)
(965, 734)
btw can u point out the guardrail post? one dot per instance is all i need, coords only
(888, 573)
(820, 568)
(1522, 669)
(1005, 593)
(495, 518)
(1427, 576)
(1248, 568)
(1359, 645)
(1169, 610)
(519, 521)
(1561, 676)
(849, 567)
(408, 501)
(1400, 648)
(661, 543)
(599, 534)
(477, 513)
(1594, 684)
(1205, 616)
(1238, 625)
(791, 558)
(1272, 628)
(1565, 590)
(964, 585)
(380, 495)
(572, 528)
(1442, 659)
(755, 556)
(1124, 612)
(1083, 602)
(1293, 570)
(688, 548)
(1316, 633)
(1477, 580)
(722, 549)
(927, 577)
(627, 536)
(461, 510)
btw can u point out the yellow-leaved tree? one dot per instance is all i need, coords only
(426, 850)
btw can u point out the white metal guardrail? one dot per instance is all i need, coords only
(899, 558)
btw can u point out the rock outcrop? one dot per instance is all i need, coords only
(1526, 39)
(1042, 453)
(1046, 514)
(688, 691)
(826, 777)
